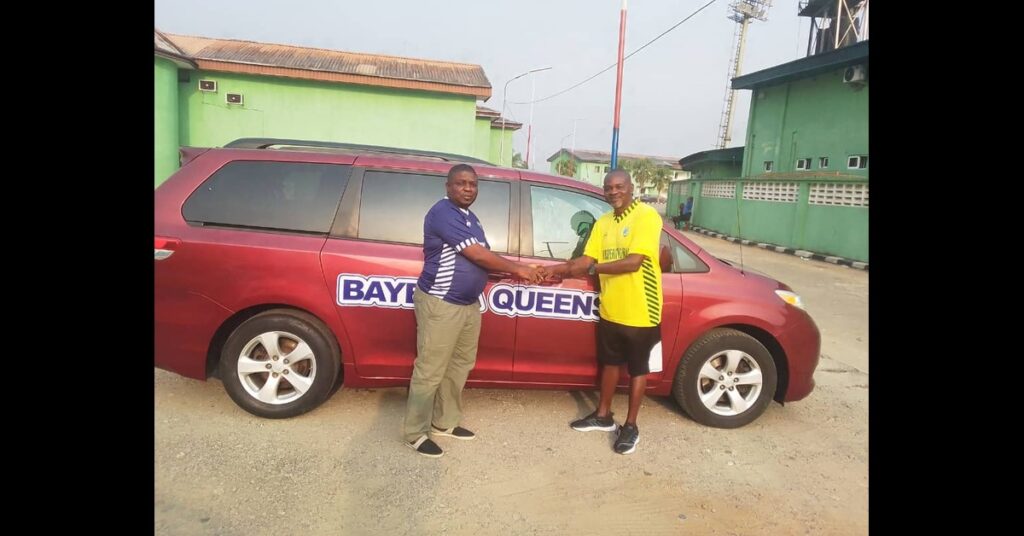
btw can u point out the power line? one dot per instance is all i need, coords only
(599, 73)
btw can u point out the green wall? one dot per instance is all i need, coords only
(830, 230)
(589, 172)
(842, 230)
(304, 109)
(482, 138)
(678, 191)
(488, 142)
(165, 119)
(496, 147)
(715, 170)
(809, 118)
(592, 172)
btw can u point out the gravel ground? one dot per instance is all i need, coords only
(342, 469)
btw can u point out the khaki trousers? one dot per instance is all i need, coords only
(446, 342)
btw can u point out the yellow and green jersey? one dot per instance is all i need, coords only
(632, 299)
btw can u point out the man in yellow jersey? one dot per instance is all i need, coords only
(623, 251)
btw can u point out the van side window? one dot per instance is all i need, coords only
(392, 207)
(683, 260)
(288, 196)
(562, 221)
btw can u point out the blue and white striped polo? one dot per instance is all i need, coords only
(447, 230)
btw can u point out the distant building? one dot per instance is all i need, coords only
(591, 166)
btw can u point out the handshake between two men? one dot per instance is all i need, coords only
(535, 273)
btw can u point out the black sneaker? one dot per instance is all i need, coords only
(593, 422)
(457, 432)
(629, 436)
(426, 447)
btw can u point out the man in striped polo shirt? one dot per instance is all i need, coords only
(456, 259)
(623, 251)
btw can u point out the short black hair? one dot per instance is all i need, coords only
(459, 168)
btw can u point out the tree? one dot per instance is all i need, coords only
(567, 167)
(646, 173)
(641, 170)
(662, 176)
(517, 161)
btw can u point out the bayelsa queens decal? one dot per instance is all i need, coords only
(503, 299)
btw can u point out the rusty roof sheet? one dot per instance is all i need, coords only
(253, 57)
(483, 111)
(161, 44)
(508, 124)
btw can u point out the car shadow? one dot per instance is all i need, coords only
(586, 402)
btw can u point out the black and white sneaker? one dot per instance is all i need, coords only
(593, 422)
(457, 432)
(629, 436)
(426, 447)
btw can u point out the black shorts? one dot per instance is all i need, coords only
(618, 344)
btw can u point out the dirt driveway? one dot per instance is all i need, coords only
(341, 469)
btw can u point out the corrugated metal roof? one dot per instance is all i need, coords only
(584, 155)
(483, 111)
(509, 124)
(163, 46)
(233, 55)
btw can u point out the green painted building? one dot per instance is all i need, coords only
(168, 59)
(591, 166)
(804, 176)
(209, 92)
(705, 165)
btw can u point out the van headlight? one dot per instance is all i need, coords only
(791, 298)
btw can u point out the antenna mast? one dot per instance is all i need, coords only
(740, 11)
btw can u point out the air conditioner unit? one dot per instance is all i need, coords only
(208, 86)
(233, 98)
(856, 74)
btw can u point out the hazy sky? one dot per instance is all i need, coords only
(673, 90)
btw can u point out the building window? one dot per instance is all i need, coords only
(823, 162)
(767, 166)
(803, 163)
(857, 162)
(607, 169)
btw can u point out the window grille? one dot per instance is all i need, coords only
(724, 190)
(780, 192)
(839, 195)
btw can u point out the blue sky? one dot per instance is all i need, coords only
(673, 90)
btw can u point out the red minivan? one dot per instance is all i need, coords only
(286, 268)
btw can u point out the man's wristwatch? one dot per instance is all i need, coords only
(593, 268)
